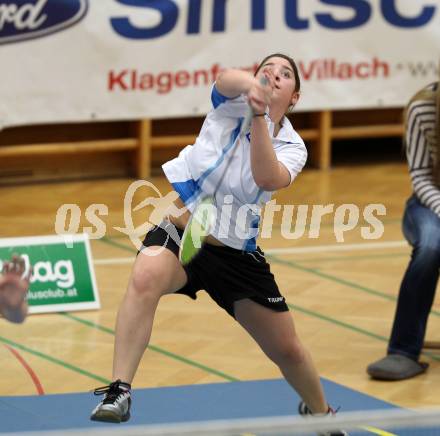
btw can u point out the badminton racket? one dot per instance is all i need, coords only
(202, 220)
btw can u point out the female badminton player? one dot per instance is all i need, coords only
(229, 266)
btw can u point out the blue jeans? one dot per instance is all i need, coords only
(421, 227)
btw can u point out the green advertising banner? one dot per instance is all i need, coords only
(63, 277)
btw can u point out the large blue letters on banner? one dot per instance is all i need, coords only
(361, 10)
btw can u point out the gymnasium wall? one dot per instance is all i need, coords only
(90, 61)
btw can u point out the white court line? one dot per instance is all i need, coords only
(114, 261)
(338, 247)
(291, 250)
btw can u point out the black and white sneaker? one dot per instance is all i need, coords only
(115, 407)
(303, 410)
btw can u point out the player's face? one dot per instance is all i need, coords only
(284, 81)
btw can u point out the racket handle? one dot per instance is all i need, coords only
(250, 113)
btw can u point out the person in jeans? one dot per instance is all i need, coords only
(421, 227)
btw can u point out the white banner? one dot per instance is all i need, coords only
(76, 60)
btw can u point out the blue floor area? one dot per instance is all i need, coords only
(176, 404)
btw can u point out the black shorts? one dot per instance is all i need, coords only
(226, 274)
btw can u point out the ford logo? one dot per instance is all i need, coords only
(27, 19)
